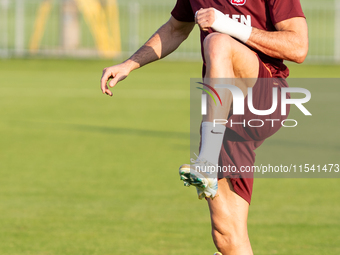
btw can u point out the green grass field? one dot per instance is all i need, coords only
(82, 173)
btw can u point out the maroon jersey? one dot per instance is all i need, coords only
(262, 14)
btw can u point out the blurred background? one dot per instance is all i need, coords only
(85, 28)
(84, 173)
(113, 28)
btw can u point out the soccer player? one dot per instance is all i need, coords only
(239, 39)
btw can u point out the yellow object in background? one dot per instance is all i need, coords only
(39, 25)
(113, 21)
(101, 26)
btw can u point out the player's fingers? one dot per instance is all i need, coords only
(206, 15)
(196, 14)
(118, 77)
(204, 25)
(201, 15)
(105, 77)
(107, 91)
(202, 18)
(114, 81)
(209, 17)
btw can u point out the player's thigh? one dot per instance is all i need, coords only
(228, 211)
(244, 61)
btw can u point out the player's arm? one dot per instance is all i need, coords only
(166, 39)
(289, 42)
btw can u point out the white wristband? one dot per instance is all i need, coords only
(226, 25)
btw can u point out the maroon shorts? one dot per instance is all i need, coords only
(241, 140)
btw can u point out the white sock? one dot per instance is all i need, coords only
(212, 138)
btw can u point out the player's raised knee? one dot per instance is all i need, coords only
(217, 43)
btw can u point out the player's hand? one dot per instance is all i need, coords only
(113, 75)
(205, 18)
